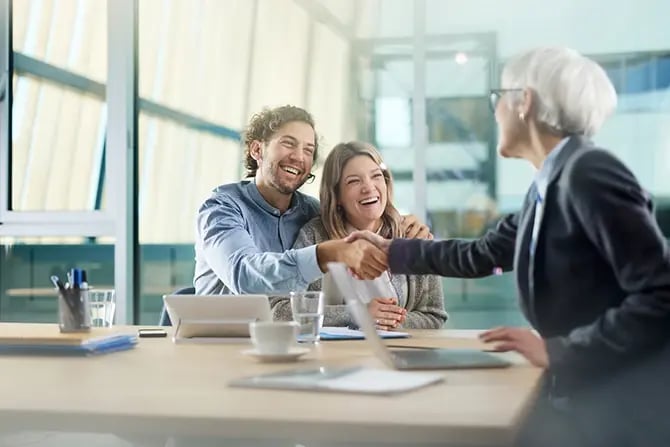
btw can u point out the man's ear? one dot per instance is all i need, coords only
(256, 150)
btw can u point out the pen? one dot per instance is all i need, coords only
(76, 278)
(65, 293)
(59, 285)
(428, 348)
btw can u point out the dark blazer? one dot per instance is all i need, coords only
(598, 285)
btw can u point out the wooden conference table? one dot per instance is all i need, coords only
(179, 391)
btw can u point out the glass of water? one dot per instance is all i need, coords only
(103, 305)
(307, 308)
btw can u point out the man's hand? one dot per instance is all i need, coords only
(413, 228)
(386, 313)
(523, 341)
(373, 238)
(364, 259)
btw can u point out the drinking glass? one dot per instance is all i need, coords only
(307, 308)
(103, 305)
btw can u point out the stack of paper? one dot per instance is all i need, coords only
(47, 339)
(352, 380)
(344, 333)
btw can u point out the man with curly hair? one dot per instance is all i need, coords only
(245, 230)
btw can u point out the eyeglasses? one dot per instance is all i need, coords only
(497, 93)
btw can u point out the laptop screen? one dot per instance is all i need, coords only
(354, 292)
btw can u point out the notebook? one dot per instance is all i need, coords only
(46, 339)
(345, 333)
(348, 380)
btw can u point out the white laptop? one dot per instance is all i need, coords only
(414, 357)
(211, 318)
(380, 287)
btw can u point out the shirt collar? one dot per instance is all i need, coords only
(542, 175)
(260, 201)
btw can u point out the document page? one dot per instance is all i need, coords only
(382, 381)
(353, 380)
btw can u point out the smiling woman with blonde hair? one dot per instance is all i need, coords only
(356, 194)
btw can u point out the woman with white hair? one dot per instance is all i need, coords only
(592, 266)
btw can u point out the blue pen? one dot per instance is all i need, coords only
(76, 278)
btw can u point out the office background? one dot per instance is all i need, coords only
(119, 116)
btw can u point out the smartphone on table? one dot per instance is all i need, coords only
(152, 333)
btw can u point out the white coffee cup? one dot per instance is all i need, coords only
(273, 337)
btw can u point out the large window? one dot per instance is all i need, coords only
(58, 109)
(414, 85)
(448, 57)
(213, 65)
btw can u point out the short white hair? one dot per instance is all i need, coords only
(573, 94)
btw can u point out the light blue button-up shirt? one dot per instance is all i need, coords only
(243, 244)
(541, 183)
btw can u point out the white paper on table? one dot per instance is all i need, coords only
(352, 380)
(381, 381)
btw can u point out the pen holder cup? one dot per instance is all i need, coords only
(74, 314)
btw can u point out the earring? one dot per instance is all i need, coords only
(522, 117)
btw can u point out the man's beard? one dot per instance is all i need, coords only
(282, 188)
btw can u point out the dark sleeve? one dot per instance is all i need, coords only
(457, 257)
(616, 215)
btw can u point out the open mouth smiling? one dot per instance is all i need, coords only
(369, 201)
(291, 170)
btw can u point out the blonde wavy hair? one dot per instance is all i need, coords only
(332, 215)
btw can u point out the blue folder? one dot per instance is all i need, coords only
(341, 333)
(94, 346)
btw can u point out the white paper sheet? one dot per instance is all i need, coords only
(382, 381)
(352, 380)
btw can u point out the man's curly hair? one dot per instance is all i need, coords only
(263, 126)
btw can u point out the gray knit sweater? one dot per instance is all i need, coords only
(421, 295)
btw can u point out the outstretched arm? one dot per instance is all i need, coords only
(453, 257)
(233, 255)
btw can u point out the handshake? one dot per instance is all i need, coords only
(365, 252)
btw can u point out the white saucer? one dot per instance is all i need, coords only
(291, 356)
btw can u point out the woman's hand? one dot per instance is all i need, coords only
(386, 313)
(523, 341)
(413, 228)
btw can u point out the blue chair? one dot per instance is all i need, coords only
(165, 318)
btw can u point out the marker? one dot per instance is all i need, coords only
(84, 282)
